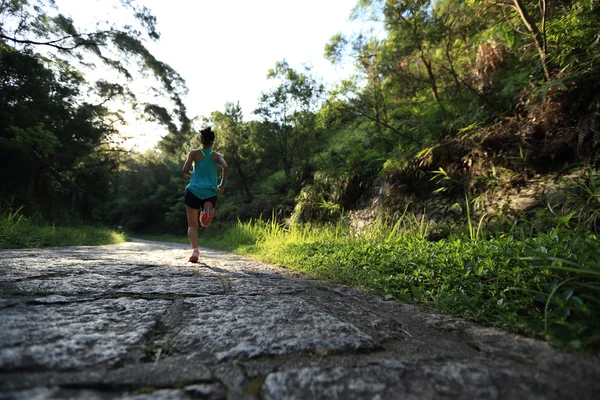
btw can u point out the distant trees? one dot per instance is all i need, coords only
(233, 141)
(288, 116)
(434, 71)
(46, 139)
(57, 132)
(147, 195)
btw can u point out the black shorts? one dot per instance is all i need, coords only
(194, 202)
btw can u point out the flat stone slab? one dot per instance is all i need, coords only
(24, 268)
(205, 391)
(31, 268)
(240, 327)
(174, 372)
(72, 284)
(453, 379)
(167, 373)
(253, 286)
(177, 285)
(74, 335)
(164, 271)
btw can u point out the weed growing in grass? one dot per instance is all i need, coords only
(583, 200)
(13, 226)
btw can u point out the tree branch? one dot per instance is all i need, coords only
(500, 3)
(544, 10)
(537, 35)
(385, 124)
(471, 88)
(52, 43)
(514, 28)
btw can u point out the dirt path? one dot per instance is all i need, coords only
(136, 321)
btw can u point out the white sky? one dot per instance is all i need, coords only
(224, 48)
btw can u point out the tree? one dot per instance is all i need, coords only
(39, 25)
(460, 23)
(394, 69)
(57, 148)
(415, 34)
(288, 113)
(46, 140)
(366, 52)
(536, 29)
(148, 195)
(232, 140)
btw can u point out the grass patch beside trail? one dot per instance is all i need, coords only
(546, 285)
(17, 232)
(218, 235)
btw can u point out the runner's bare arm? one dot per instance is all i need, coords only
(218, 158)
(225, 167)
(188, 164)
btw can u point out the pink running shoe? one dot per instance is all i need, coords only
(207, 213)
(194, 256)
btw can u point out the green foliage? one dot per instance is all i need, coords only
(334, 47)
(573, 35)
(581, 201)
(148, 196)
(57, 148)
(546, 285)
(35, 138)
(39, 24)
(50, 147)
(236, 142)
(289, 130)
(320, 200)
(274, 193)
(18, 231)
(440, 70)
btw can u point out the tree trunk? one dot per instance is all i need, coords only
(538, 36)
(433, 83)
(451, 69)
(378, 102)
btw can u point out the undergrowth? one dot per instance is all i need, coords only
(537, 274)
(546, 285)
(18, 231)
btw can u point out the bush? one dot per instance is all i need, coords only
(18, 231)
(546, 285)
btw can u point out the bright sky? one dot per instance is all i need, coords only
(224, 48)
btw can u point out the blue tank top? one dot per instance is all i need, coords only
(203, 184)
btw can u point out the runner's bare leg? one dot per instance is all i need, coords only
(192, 217)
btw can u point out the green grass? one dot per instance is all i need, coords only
(17, 231)
(545, 285)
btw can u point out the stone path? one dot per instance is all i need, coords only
(136, 321)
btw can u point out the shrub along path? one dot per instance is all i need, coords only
(136, 321)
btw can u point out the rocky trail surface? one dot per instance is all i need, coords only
(136, 321)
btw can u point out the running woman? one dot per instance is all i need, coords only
(202, 191)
